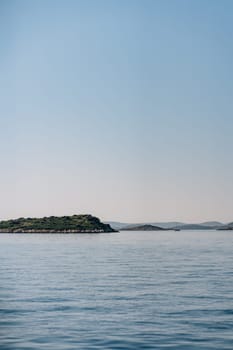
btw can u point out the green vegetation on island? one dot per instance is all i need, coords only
(55, 224)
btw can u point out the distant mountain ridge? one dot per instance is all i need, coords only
(146, 227)
(195, 227)
(117, 225)
(120, 225)
(208, 225)
(226, 227)
(211, 223)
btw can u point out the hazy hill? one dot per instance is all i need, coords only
(226, 227)
(169, 224)
(117, 225)
(208, 225)
(54, 224)
(146, 227)
(120, 225)
(212, 223)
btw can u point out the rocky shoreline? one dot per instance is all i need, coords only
(53, 231)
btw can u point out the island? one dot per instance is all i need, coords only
(56, 224)
(170, 225)
(145, 227)
(228, 227)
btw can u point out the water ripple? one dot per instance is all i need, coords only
(117, 291)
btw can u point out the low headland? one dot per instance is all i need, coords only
(56, 224)
(145, 227)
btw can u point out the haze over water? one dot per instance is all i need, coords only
(128, 290)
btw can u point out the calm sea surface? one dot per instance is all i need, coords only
(128, 290)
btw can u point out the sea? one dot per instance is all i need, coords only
(123, 290)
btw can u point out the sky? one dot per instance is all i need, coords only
(118, 108)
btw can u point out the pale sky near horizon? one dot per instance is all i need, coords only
(120, 109)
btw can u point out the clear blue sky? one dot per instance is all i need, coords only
(118, 108)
